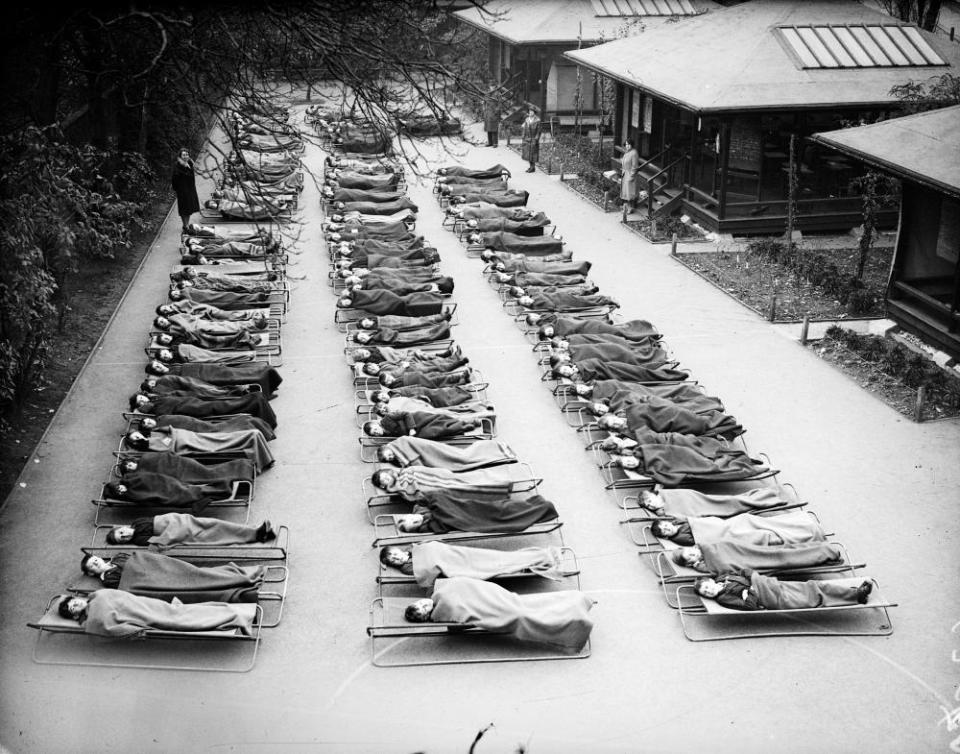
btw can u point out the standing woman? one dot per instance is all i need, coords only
(628, 175)
(185, 185)
(530, 133)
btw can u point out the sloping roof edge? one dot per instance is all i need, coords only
(873, 159)
(489, 29)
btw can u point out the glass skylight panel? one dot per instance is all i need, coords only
(643, 8)
(858, 46)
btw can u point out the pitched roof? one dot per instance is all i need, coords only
(556, 21)
(924, 148)
(735, 59)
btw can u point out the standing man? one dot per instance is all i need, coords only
(628, 175)
(530, 133)
(491, 116)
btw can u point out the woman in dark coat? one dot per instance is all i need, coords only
(530, 134)
(185, 185)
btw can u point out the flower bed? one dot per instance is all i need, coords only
(818, 283)
(662, 229)
(892, 372)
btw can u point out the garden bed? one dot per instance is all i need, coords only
(664, 229)
(752, 279)
(591, 192)
(891, 372)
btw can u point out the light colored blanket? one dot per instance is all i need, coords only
(434, 560)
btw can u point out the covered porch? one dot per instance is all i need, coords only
(715, 107)
(923, 150)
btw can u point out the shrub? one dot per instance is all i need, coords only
(767, 248)
(915, 371)
(873, 349)
(860, 302)
(835, 332)
(896, 360)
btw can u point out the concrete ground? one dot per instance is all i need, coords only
(888, 488)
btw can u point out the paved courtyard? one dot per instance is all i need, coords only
(888, 488)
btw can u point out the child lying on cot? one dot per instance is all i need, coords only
(749, 590)
(107, 612)
(171, 529)
(429, 561)
(558, 619)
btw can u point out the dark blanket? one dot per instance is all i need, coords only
(673, 465)
(530, 227)
(366, 195)
(150, 574)
(229, 423)
(254, 404)
(147, 488)
(543, 279)
(523, 264)
(411, 378)
(722, 557)
(178, 384)
(427, 426)
(191, 471)
(386, 336)
(439, 397)
(425, 257)
(225, 299)
(632, 353)
(267, 378)
(400, 287)
(458, 170)
(378, 208)
(382, 232)
(559, 301)
(385, 302)
(442, 514)
(500, 198)
(661, 415)
(348, 179)
(515, 244)
(636, 330)
(618, 395)
(597, 369)
(377, 245)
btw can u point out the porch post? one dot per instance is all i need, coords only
(724, 166)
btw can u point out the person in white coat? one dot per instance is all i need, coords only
(628, 175)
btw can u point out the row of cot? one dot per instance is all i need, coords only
(675, 461)
(196, 438)
(425, 418)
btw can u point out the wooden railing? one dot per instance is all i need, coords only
(670, 175)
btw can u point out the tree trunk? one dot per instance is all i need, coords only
(48, 85)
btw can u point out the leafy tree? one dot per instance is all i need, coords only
(938, 91)
(924, 13)
(57, 207)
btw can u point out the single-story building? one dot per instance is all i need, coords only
(715, 103)
(923, 150)
(527, 39)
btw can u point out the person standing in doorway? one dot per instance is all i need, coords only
(491, 116)
(185, 185)
(628, 175)
(530, 133)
